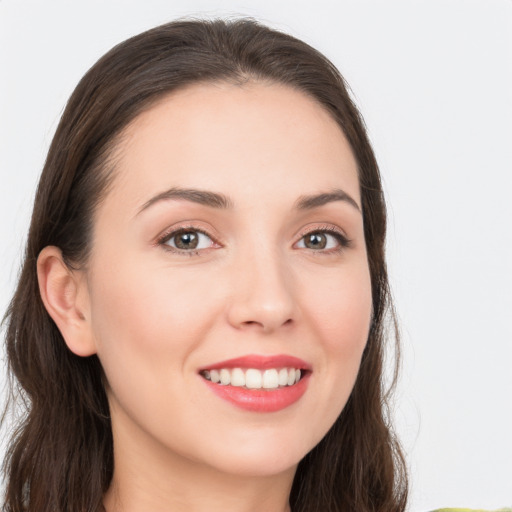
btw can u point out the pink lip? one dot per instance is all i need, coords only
(261, 400)
(260, 362)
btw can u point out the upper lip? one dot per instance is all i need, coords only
(262, 362)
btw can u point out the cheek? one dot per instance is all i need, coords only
(147, 324)
(340, 310)
(340, 314)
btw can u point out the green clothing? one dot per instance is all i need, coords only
(471, 510)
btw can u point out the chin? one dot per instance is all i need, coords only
(260, 455)
(261, 465)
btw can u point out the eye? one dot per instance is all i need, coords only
(186, 240)
(323, 240)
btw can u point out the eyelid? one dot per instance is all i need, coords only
(322, 227)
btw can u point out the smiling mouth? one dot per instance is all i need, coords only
(253, 378)
(259, 383)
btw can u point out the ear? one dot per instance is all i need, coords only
(66, 298)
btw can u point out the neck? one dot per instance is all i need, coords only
(148, 477)
(196, 496)
(196, 490)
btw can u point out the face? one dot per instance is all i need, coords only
(230, 247)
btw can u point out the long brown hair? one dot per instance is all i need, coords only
(61, 454)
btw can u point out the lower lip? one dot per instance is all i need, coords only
(259, 400)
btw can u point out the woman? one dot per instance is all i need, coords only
(199, 322)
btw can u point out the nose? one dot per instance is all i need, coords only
(262, 296)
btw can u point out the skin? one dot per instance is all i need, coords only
(154, 317)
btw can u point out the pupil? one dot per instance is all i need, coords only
(316, 240)
(187, 240)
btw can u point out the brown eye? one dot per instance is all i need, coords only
(315, 241)
(325, 239)
(187, 240)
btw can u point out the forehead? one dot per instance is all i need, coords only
(251, 141)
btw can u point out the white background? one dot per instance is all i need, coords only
(434, 82)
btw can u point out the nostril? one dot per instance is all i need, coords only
(251, 323)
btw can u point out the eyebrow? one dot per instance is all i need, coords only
(316, 200)
(223, 202)
(204, 197)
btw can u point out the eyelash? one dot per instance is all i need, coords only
(342, 240)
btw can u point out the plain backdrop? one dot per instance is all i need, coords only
(434, 82)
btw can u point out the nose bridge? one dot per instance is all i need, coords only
(262, 284)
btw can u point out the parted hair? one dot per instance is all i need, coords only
(60, 456)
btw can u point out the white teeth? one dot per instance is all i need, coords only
(237, 377)
(270, 380)
(225, 377)
(253, 378)
(283, 377)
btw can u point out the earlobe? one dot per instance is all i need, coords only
(65, 296)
